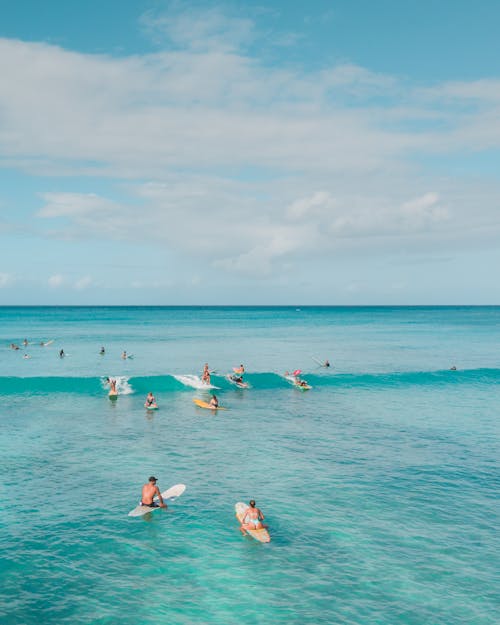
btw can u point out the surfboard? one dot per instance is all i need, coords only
(204, 404)
(321, 364)
(230, 378)
(306, 387)
(168, 496)
(293, 381)
(262, 535)
(154, 407)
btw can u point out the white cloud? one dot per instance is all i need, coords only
(200, 29)
(56, 281)
(83, 283)
(245, 166)
(6, 279)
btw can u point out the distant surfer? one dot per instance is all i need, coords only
(150, 401)
(103, 351)
(252, 518)
(205, 376)
(453, 368)
(214, 402)
(149, 491)
(61, 353)
(14, 346)
(26, 356)
(124, 355)
(326, 363)
(25, 342)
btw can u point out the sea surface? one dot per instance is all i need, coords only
(380, 485)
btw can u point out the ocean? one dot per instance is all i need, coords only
(380, 485)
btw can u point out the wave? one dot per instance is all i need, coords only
(257, 381)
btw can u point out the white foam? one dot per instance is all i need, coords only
(193, 381)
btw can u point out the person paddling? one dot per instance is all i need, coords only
(149, 491)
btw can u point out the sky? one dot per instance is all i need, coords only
(340, 152)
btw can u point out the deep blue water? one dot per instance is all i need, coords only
(380, 485)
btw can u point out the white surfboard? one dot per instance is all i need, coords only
(168, 496)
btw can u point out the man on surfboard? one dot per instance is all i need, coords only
(149, 491)
(150, 401)
(252, 519)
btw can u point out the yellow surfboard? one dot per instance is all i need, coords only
(204, 404)
(262, 535)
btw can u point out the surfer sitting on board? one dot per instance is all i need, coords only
(150, 400)
(205, 376)
(252, 519)
(214, 402)
(149, 491)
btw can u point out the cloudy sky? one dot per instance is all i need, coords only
(329, 152)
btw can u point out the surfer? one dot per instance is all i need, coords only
(326, 363)
(149, 491)
(25, 342)
(150, 401)
(453, 368)
(300, 382)
(252, 519)
(103, 351)
(112, 386)
(205, 376)
(239, 370)
(61, 353)
(214, 402)
(14, 346)
(124, 355)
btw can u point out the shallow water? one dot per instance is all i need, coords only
(380, 485)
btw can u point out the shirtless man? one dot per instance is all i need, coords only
(239, 370)
(149, 491)
(252, 519)
(112, 386)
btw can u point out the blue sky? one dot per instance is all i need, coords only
(343, 152)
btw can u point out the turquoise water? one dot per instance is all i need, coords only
(380, 485)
